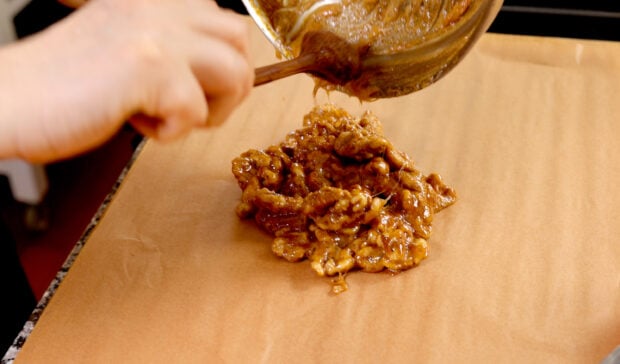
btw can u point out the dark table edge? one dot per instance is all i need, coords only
(21, 338)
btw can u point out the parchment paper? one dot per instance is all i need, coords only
(524, 268)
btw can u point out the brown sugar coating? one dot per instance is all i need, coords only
(386, 26)
(338, 193)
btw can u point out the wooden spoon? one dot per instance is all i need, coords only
(322, 54)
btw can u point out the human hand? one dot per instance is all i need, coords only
(165, 65)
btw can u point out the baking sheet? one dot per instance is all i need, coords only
(525, 267)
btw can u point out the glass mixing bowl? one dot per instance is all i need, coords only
(409, 69)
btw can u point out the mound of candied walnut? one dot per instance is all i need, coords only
(338, 193)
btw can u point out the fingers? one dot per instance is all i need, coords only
(186, 96)
(229, 27)
(225, 76)
(174, 105)
(219, 60)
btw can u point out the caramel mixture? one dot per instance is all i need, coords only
(385, 26)
(337, 192)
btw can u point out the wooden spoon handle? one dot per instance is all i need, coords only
(283, 69)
